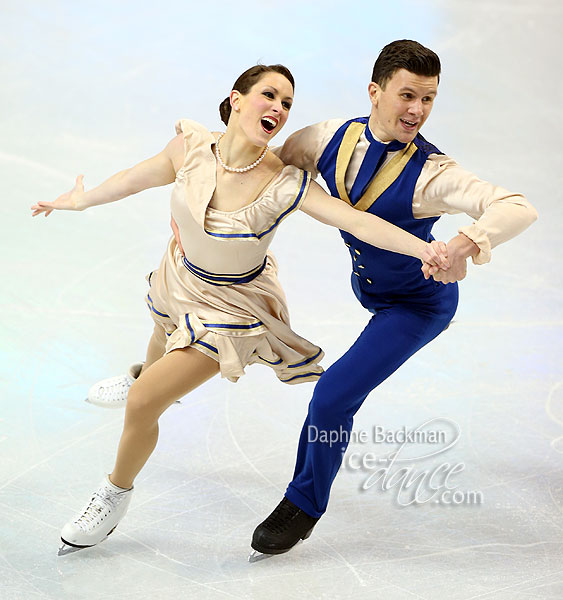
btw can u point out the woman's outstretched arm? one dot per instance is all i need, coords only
(153, 172)
(371, 229)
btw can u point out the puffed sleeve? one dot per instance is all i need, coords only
(304, 148)
(446, 188)
(198, 170)
(197, 141)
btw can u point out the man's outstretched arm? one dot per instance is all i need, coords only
(446, 188)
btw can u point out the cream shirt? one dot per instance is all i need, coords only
(443, 187)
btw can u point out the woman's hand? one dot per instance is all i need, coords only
(459, 249)
(176, 231)
(435, 255)
(68, 201)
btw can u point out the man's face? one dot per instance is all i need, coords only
(399, 111)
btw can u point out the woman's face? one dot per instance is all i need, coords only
(263, 111)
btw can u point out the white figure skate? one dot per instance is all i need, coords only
(97, 520)
(112, 392)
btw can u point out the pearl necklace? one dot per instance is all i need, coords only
(237, 169)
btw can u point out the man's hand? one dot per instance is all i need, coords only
(177, 235)
(436, 255)
(460, 248)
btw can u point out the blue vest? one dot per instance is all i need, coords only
(379, 276)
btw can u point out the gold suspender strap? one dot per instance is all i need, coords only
(383, 179)
(345, 151)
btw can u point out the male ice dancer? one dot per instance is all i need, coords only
(383, 165)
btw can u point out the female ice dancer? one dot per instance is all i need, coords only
(220, 306)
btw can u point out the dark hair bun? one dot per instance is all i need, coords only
(225, 110)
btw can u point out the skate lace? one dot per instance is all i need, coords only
(115, 390)
(101, 502)
(281, 518)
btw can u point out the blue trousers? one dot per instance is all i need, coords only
(395, 332)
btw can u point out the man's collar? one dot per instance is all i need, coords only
(391, 146)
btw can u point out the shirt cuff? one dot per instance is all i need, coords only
(479, 237)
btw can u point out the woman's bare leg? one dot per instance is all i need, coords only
(156, 347)
(166, 380)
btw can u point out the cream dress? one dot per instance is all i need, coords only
(224, 298)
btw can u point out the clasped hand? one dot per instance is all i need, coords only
(457, 251)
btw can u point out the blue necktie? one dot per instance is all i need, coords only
(374, 158)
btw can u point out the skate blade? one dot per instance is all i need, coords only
(66, 549)
(69, 549)
(122, 405)
(111, 406)
(256, 556)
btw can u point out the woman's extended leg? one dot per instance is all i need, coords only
(162, 383)
(166, 380)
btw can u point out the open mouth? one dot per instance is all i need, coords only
(268, 124)
(408, 124)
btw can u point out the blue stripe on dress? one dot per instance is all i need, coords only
(208, 346)
(304, 362)
(221, 278)
(192, 332)
(150, 304)
(277, 362)
(301, 376)
(233, 326)
(210, 274)
(279, 218)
